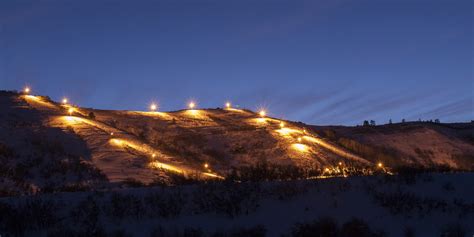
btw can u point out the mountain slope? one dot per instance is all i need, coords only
(158, 147)
(422, 144)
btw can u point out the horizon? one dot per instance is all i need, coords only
(325, 63)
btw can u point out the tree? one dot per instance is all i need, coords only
(390, 121)
(372, 122)
(403, 120)
(366, 123)
(437, 121)
(91, 115)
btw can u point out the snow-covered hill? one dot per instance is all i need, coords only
(424, 144)
(48, 145)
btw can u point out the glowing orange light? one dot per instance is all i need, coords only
(153, 107)
(327, 169)
(64, 101)
(111, 134)
(153, 155)
(340, 163)
(70, 111)
(299, 139)
(27, 90)
(206, 165)
(380, 164)
(191, 105)
(287, 131)
(116, 142)
(262, 113)
(300, 147)
(228, 105)
(282, 124)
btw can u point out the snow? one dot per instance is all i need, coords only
(339, 198)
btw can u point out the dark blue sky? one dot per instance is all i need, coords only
(320, 62)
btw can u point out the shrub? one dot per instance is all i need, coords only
(86, 215)
(124, 205)
(256, 231)
(356, 228)
(326, 227)
(91, 115)
(165, 204)
(227, 198)
(409, 232)
(453, 230)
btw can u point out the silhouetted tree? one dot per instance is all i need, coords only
(366, 123)
(403, 120)
(372, 122)
(91, 115)
(437, 121)
(390, 121)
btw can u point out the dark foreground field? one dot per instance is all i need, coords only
(408, 205)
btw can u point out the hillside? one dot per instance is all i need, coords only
(45, 145)
(419, 144)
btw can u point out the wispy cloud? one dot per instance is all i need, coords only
(456, 108)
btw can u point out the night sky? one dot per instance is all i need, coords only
(320, 62)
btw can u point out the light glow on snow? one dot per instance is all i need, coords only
(300, 147)
(160, 165)
(32, 97)
(195, 113)
(287, 131)
(331, 147)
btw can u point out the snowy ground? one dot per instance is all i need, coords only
(427, 204)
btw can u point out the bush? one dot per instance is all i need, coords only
(124, 205)
(227, 198)
(256, 231)
(186, 232)
(165, 204)
(11, 220)
(356, 228)
(326, 227)
(453, 230)
(263, 171)
(86, 215)
(409, 232)
(91, 115)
